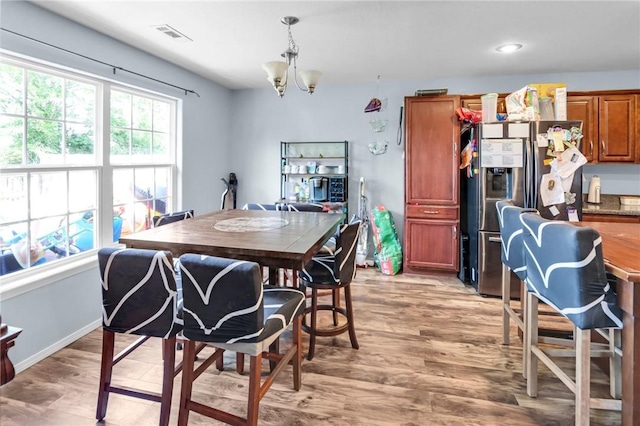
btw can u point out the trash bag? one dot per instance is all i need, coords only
(388, 251)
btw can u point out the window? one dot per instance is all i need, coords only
(59, 180)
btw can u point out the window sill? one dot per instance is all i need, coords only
(25, 281)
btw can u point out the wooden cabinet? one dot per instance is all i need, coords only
(585, 108)
(610, 126)
(431, 185)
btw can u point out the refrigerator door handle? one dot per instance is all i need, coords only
(495, 240)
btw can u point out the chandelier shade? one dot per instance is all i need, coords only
(278, 71)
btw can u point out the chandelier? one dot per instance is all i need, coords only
(278, 71)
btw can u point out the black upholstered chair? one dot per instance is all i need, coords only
(565, 269)
(332, 272)
(165, 219)
(9, 263)
(258, 206)
(305, 207)
(227, 307)
(139, 296)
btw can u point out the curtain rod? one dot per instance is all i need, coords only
(114, 67)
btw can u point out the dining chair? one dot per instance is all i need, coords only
(332, 272)
(305, 207)
(165, 219)
(139, 296)
(227, 307)
(565, 269)
(258, 206)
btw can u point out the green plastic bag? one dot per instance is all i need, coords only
(388, 251)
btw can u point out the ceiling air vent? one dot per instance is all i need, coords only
(169, 31)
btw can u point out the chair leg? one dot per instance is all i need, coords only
(615, 364)
(254, 390)
(349, 306)
(312, 327)
(239, 363)
(297, 358)
(274, 348)
(523, 309)
(506, 298)
(187, 382)
(531, 340)
(583, 375)
(335, 294)
(169, 360)
(106, 369)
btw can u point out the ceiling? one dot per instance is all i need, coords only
(355, 41)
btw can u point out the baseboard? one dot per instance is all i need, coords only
(36, 358)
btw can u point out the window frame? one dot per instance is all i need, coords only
(20, 282)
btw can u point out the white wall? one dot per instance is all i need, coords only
(260, 120)
(60, 311)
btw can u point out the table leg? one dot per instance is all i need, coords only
(629, 300)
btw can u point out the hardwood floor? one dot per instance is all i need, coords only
(430, 354)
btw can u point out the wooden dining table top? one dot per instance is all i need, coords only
(278, 239)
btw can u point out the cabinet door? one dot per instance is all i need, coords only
(585, 108)
(431, 244)
(617, 124)
(432, 154)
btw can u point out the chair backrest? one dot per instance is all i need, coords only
(305, 207)
(258, 206)
(565, 269)
(345, 254)
(165, 219)
(223, 299)
(139, 294)
(511, 236)
(9, 263)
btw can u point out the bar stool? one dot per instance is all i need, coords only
(332, 272)
(139, 296)
(227, 307)
(165, 219)
(565, 269)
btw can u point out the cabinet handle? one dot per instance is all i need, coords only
(604, 151)
(455, 231)
(591, 147)
(430, 211)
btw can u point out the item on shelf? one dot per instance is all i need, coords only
(311, 167)
(431, 92)
(322, 169)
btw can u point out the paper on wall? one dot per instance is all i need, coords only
(551, 191)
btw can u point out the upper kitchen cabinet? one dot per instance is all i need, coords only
(610, 125)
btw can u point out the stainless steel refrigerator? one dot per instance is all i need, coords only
(510, 164)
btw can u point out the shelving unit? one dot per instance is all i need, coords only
(330, 158)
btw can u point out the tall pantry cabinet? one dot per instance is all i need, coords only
(432, 210)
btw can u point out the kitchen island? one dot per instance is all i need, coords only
(609, 210)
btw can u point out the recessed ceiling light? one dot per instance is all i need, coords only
(508, 48)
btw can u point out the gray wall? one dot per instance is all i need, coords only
(239, 131)
(53, 313)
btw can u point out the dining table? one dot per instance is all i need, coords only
(621, 252)
(274, 239)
